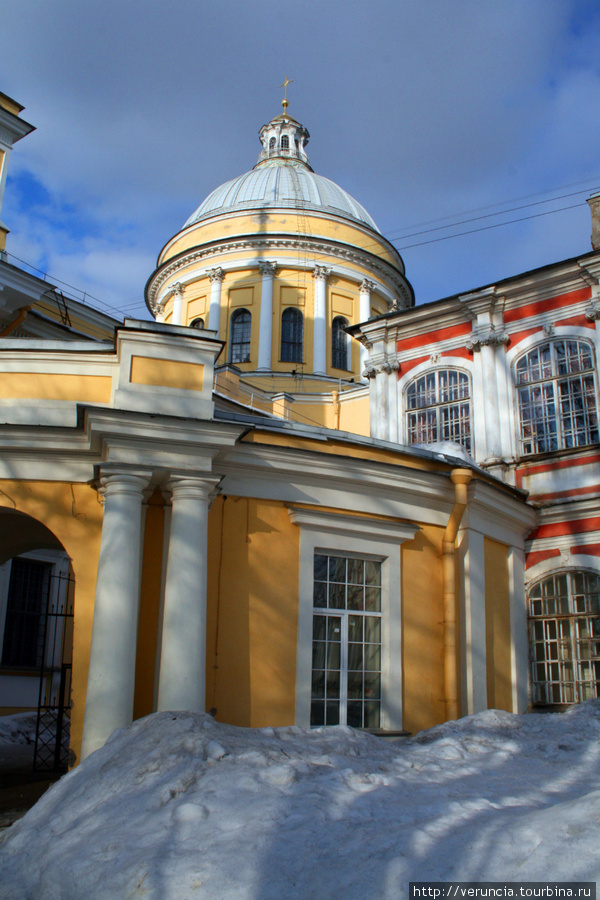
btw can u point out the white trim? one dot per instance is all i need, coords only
(364, 537)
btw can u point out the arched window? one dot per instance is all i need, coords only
(197, 323)
(564, 629)
(438, 408)
(339, 343)
(285, 142)
(272, 143)
(241, 327)
(556, 397)
(292, 335)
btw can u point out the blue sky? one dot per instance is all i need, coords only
(427, 111)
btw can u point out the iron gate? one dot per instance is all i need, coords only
(52, 732)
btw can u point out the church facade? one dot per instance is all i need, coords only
(284, 499)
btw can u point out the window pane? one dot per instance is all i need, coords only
(354, 714)
(355, 597)
(356, 571)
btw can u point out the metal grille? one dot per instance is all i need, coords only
(565, 638)
(54, 705)
(26, 606)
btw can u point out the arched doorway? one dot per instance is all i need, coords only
(36, 632)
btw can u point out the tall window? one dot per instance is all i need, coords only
(241, 327)
(339, 343)
(292, 335)
(564, 625)
(346, 668)
(438, 408)
(27, 601)
(285, 142)
(557, 397)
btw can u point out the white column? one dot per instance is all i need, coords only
(364, 312)
(214, 312)
(177, 295)
(111, 677)
(320, 274)
(492, 419)
(265, 331)
(182, 678)
(518, 629)
(472, 621)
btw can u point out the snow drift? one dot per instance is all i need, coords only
(179, 806)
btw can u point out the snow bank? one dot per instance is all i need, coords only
(179, 806)
(17, 729)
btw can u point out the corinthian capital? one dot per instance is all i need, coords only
(216, 274)
(267, 268)
(367, 286)
(321, 273)
(176, 288)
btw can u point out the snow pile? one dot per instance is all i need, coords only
(18, 729)
(179, 806)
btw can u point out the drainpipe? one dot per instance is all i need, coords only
(460, 479)
(18, 320)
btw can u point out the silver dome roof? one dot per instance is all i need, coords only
(281, 183)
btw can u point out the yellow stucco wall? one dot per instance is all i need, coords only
(252, 612)
(72, 512)
(48, 386)
(166, 373)
(497, 626)
(422, 637)
(284, 222)
(150, 594)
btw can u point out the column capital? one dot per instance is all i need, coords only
(122, 481)
(192, 487)
(366, 286)
(176, 289)
(321, 273)
(216, 275)
(267, 268)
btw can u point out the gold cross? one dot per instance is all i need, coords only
(284, 102)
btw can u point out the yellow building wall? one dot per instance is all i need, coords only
(252, 618)
(497, 626)
(150, 595)
(422, 636)
(287, 222)
(72, 512)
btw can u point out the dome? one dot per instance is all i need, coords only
(282, 179)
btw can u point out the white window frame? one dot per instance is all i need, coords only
(351, 535)
(543, 574)
(435, 371)
(529, 343)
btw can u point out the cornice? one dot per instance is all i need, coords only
(270, 245)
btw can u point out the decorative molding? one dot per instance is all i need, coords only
(266, 267)
(321, 273)
(367, 286)
(216, 275)
(592, 313)
(303, 245)
(387, 366)
(434, 358)
(492, 338)
(176, 289)
(549, 329)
